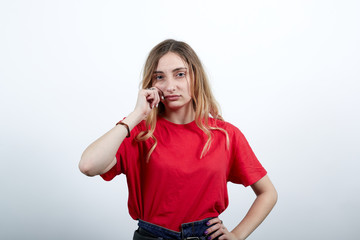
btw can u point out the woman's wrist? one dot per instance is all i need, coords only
(238, 236)
(133, 119)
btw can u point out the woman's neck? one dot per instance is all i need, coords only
(180, 116)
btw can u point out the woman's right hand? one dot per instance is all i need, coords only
(99, 156)
(147, 100)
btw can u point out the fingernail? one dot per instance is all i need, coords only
(157, 105)
(206, 232)
(162, 97)
(209, 238)
(208, 223)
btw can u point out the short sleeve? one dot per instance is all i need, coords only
(118, 168)
(245, 168)
(127, 152)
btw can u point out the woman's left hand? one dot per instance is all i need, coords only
(218, 230)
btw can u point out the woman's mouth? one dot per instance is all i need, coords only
(172, 97)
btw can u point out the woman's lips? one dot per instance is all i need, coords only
(172, 97)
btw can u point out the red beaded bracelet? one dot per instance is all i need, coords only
(125, 125)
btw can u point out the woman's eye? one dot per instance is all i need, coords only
(159, 77)
(182, 74)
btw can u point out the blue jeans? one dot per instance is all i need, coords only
(192, 230)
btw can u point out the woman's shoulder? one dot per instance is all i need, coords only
(214, 122)
(234, 133)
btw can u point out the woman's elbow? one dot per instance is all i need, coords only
(271, 194)
(86, 167)
(274, 196)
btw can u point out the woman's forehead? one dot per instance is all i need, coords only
(170, 61)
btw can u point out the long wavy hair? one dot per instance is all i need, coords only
(203, 100)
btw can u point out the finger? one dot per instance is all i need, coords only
(150, 97)
(157, 99)
(161, 93)
(213, 221)
(144, 95)
(157, 92)
(147, 93)
(219, 232)
(213, 228)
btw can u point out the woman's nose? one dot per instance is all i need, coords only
(171, 86)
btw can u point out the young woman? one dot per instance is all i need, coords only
(178, 154)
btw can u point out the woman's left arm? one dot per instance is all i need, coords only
(266, 197)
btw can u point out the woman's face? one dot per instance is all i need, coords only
(172, 78)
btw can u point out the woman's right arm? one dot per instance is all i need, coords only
(99, 157)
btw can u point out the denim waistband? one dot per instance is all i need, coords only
(192, 229)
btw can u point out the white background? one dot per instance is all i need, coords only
(285, 72)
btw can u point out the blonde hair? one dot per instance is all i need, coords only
(203, 100)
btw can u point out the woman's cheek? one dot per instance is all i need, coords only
(159, 86)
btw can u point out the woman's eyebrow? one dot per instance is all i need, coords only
(175, 70)
(178, 69)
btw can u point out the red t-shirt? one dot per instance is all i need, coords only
(176, 186)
